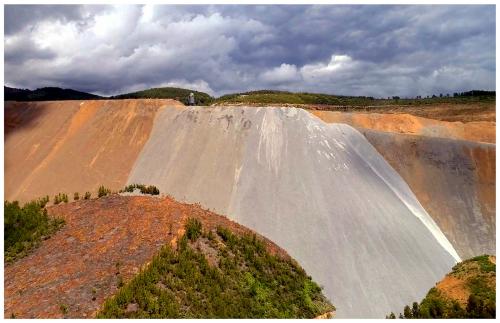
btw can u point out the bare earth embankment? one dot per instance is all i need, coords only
(73, 146)
(482, 131)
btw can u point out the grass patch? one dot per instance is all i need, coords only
(245, 282)
(25, 227)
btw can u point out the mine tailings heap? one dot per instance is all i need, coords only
(371, 215)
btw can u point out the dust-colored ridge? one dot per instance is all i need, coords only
(74, 146)
(481, 131)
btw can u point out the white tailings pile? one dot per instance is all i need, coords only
(320, 191)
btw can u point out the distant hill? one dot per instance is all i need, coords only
(261, 97)
(277, 97)
(168, 93)
(46, 94)
(265, 97)
(467, 292)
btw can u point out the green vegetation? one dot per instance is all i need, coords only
(284, 97)
(261, 97)
(64, 309)
(103, 191)
(168, 93)
(193, 229)
(478, 277)
(46, 94)
(217, 274)
(150, 189)
(87, 196)
(43, 201)
(25, 227)
(76, 196)
(61, 197)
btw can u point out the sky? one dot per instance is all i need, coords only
(371, 50)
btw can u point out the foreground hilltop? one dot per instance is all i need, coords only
(110, 244)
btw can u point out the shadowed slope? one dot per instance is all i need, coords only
(320, 191)
(453, 179)
(73, 146)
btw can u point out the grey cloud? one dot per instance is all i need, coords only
(19, 17)
(21, 50)
(392, 50)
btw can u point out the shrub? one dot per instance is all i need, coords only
(63, 308)
(76, 196)
(43, 201)
(25, 227)
(102, 191)
(193, 229)
(60, 197)
(150, 189)
(87, 196)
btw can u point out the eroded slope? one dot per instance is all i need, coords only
(73, 146)
(453, 179)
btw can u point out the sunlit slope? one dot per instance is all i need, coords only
(483, 131)
(453, 179)
(73, 146)
(320, 191)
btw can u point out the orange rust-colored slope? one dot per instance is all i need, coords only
(483, 131)
(103, 241)
(74, 146)
(455, 289)
(455, 286)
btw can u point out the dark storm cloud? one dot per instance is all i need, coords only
(18, 17)
(352, 50)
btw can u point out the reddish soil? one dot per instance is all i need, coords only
(74, 146)
(104, 240)
(454, 288)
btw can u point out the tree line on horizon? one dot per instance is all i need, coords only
(258, 97)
